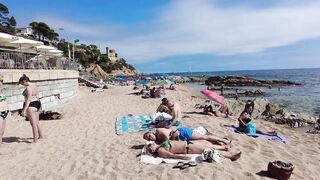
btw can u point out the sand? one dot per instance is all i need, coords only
(83, 145)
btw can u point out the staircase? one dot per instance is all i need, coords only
(89, 83)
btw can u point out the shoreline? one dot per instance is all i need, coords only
(83, 144)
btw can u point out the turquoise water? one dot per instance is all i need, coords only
(305, 98)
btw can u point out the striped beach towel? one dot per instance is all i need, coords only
(130, 123)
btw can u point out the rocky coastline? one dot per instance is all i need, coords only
(270, 111)
(233, 81)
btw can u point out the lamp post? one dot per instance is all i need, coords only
(69, 54)
(74, 42)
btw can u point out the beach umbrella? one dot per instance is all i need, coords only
(164, 74)
(169, 81)
(25, 43)
(55, 51)
(213, 96)
(44, 48)
(6, 38)
(143, 82)
(163, 82)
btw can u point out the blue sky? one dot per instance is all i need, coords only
(179, 35)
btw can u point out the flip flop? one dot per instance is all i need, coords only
(178, 165)
(184, 165)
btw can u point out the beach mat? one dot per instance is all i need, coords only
(130, 123)
(268, 137)
(149, 159)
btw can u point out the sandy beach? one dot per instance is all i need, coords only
(83, 145)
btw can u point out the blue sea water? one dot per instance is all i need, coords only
(305, 98)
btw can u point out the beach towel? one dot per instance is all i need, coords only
(149, 159)
(268, 137)
(130, 123)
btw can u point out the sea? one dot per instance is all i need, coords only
(304, 98)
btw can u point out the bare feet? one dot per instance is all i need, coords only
(227, 141)
(236, 156)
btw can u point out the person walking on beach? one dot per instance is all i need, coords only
(171, 108)
(4, 110)
(221, 89)
(31, 106)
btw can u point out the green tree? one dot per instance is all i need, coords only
(63, 46)
(42, 31)
(7, 24)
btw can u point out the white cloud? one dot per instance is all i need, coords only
(201, 27)
(193, 27)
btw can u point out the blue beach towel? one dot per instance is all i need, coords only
(130, 123)
(268, 137)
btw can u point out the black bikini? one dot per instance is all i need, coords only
(36, 104)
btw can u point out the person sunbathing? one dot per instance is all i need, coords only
(183, 134)
(171, 87)
(171, 108)
(222, 112)
(245, 119)
(181, 149)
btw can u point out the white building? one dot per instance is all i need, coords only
(27, 31)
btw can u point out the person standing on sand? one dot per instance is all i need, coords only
(171, 108)
(31, 106)
(4, 110)
(221, 89)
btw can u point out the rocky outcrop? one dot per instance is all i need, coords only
(266, 110)
(246, 81)
(247, 93)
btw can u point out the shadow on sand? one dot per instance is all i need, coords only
(13, 139)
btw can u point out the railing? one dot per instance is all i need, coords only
(10, 59)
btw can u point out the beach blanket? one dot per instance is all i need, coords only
(268, 137)
(130, 123)
(149, 159)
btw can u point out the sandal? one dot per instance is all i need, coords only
(183, 165)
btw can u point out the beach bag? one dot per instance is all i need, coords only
(251, 128)
(280, 170)
(160, 116)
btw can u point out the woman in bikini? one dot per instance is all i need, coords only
(31, 106)
(245, 119)
(4, 110)
(181, 149)
(222, 112)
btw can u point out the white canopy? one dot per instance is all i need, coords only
(55, 51)
(23, 43)
(26, 41)
(44, 49)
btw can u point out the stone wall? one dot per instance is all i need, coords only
(55, 87)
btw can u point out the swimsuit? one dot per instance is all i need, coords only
(35, 104)
(185, 133)
(3, 98)
(4, 114)
(166, 144)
